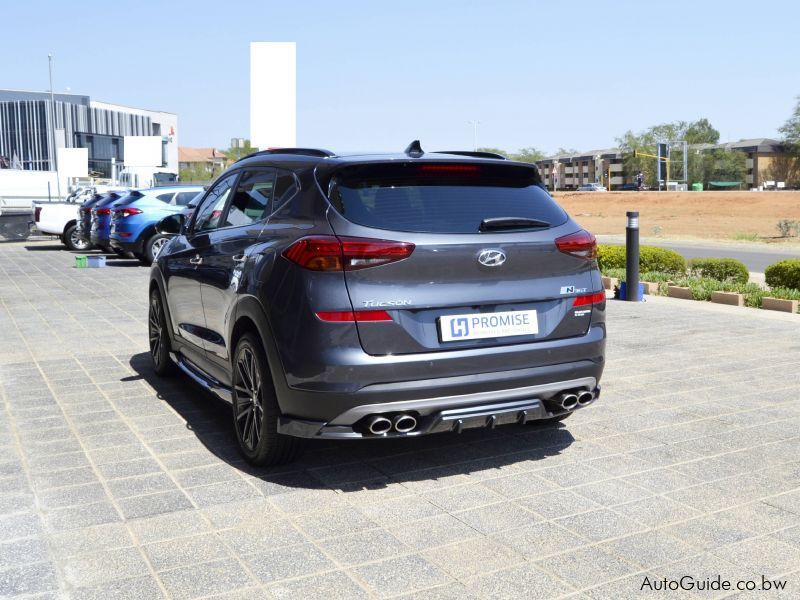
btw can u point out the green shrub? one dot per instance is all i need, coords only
(651, 258)
(784, 274)
(721, 269)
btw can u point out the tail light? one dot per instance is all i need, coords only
(581, 244)
(37, 213)
(126, 212)
(354, 316)
(596, 298)
(102, 212)
(86, 211)
(329, 253)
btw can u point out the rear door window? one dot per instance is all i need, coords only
(209, 216)
(253, 198)
(440, 197)
(166, 198)
(184, 198)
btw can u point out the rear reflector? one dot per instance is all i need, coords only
(596, 298)
(37, 213)
(349, 316)
(102, 211)
(581, 244)
(329, 253)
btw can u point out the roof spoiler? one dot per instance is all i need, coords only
(475, 153)
(319, 152)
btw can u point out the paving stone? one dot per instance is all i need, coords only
(221, 493)
(559, 503)
(137, 588)
(766, 555)
(649, 549)
(343, 521)
(435, 531)
(497, 517)
(586, 567)
(153, 504)
(87, 570)
(186, 551)
(289, 562)
(326, 586)
(168, 526)
(256, 537)
(523, 581)
(364, 546)
(471, 557)
(540, 540)
(23, 551)
(205, 579)
(18, 525)
(656, 511)
(399, 575)
(599, 525)
(90, 539)
(27, 579)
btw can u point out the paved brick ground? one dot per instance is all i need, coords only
(116, 484)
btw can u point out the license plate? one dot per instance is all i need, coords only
(476, 326)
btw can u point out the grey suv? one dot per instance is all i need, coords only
(329, 296)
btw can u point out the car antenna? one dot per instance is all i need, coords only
(414, 149)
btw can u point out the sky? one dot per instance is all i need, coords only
(374, 75)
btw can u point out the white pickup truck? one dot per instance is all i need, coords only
(61, 218)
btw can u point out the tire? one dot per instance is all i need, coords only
(153, 246)
(255, 408)
(158, 335)
(73, 242)
(550, 421)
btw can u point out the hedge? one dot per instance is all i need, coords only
(784, 274)
(721, 269)
(651, 258)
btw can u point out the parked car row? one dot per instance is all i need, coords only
(118, 221)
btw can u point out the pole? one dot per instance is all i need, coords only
(53, 124)
(609, 178)
(632, 257)
(474, 134)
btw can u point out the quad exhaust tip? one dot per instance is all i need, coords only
(404, 423)
(585, 398)
(569, 401)
(379, 425)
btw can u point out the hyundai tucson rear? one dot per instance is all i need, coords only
(379, 296)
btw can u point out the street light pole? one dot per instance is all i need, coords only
(53, 124)
(474, 134)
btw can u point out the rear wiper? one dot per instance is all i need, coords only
(495, 223)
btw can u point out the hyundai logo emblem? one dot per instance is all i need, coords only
(492, 258)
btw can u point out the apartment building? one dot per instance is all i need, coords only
(569, 171)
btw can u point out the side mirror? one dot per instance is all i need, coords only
(171, 225)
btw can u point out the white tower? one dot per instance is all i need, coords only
(273, 94)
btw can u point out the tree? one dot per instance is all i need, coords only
(494, 151)
(695, 132)
(528, 155)
(783, 167)
(567, 151)
(196, 173)
(236, 153)
(791, 128)
(701, 132)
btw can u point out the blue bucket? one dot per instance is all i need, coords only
(623, 292)
(95, 262)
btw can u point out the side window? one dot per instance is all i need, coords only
(210, 213)
(165, 197)
(285, 188)
(183, 198)
(253, 198)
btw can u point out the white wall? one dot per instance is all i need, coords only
(16, 184)
(273, 94)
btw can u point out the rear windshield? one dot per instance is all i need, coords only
(439, 198)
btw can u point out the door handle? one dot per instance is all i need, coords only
(239, 258)
(197, 260)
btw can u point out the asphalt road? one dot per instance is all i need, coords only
(757, 257)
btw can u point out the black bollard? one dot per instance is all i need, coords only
(632, 257)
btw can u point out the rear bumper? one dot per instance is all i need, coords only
(448, 414)
(134, 246)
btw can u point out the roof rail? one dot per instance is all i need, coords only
(298, 151)
(475, 153)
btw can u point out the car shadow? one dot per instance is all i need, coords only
(355, 465)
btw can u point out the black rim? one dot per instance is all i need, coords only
(156, 343)
(249, 407)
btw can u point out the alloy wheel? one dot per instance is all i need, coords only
(78, 242)
(155, 329)
(249, 402)
(157, 246)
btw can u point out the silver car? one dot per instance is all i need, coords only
(378, 296)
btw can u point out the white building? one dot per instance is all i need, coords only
(28, 135)
(273, 94)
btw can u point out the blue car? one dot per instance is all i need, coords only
(100, 227)
(134, 217)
